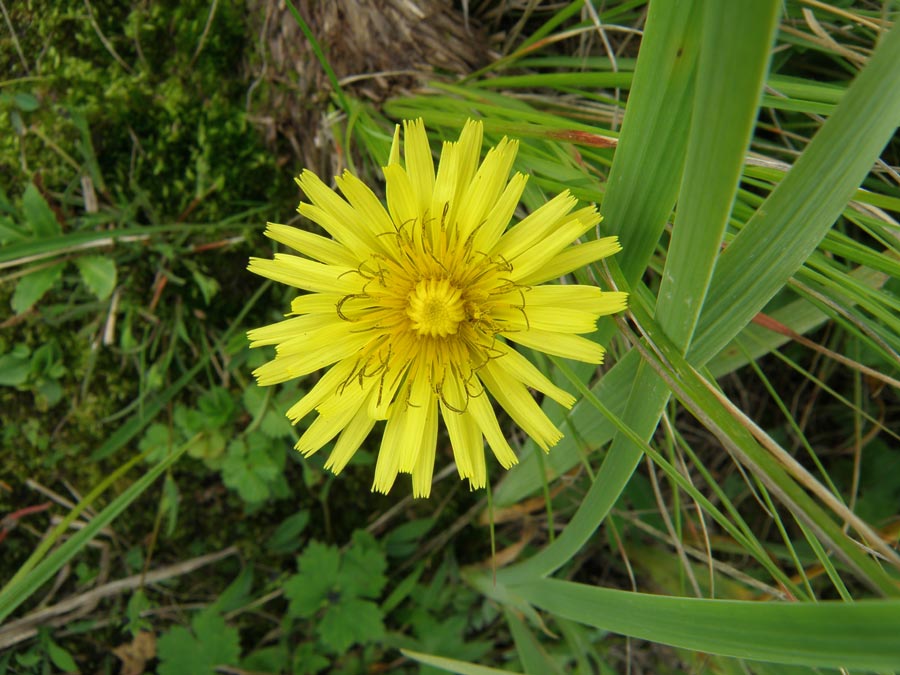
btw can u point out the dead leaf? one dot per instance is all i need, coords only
(135, 654)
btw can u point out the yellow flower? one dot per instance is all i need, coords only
(415, 307)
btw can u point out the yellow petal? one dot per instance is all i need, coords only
(468, 446)
(316, 303)
(486, 187)
(350, 439)
(498, 218)
(343, 409)
(287, 329)
(312, 245)
(516, 400)
(573, 296)
(572, 258)
(365, 203)
(322, 430)
(549, 243)
(306, 274)
(395, 146)
(559, 319)
(531, 230)
(419, 164)
(325, 388)
(340, 219)
(388, 463)
(323, 337)
(424, 468)
(524, 371)
(483, 414)
(289, 366)
(455, 170)
(401, 199)
(415, 417)
(559, 344)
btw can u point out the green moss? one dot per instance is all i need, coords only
(164, 114)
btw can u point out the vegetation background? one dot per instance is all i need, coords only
(726, 498)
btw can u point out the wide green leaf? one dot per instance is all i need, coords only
(826, 634)
(798, 213)
(453, 665)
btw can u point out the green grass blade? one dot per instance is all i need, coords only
(802, 208)
(149, 411)
(734, 52)
(534, 659)
(735, 49)
(21, 587)
(826, 634)
(453, 665)
(716, 328)
(643, 184)
(734, 57)
(646, 171)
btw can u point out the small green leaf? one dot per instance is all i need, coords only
(26, 102)
(47, 361)
(318, 570)
(403, 540)
(18, 124)
(179, 654)
(250, 469)
(276, 425)
(98, 274)
(269, 660)
(32, 287)
(51, 390)
(237, 593)
(307, 661)
(249, 486)
(207, 285)
(254, 398)
(208, 446)
(189, 421)
(61, 658)
(211, 643)
(351, 621)
(137, 603)
(28, 659)
(9, 231)
(158, 440)
(362, 569)
(168, 507)
(286, 537)
(39, 217)
(14, 367)
(217, 407)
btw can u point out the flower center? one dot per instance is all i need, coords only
(436, 307)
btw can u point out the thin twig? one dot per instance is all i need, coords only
(202, 42)
(104, 40)
(15, 38)
(26, 627)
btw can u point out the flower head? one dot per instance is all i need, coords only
(415, 308)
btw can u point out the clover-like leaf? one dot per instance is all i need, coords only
(362, 568)
(217, 407)
(308, 589)
(351, 621)
(250, 469)
(210, 643)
